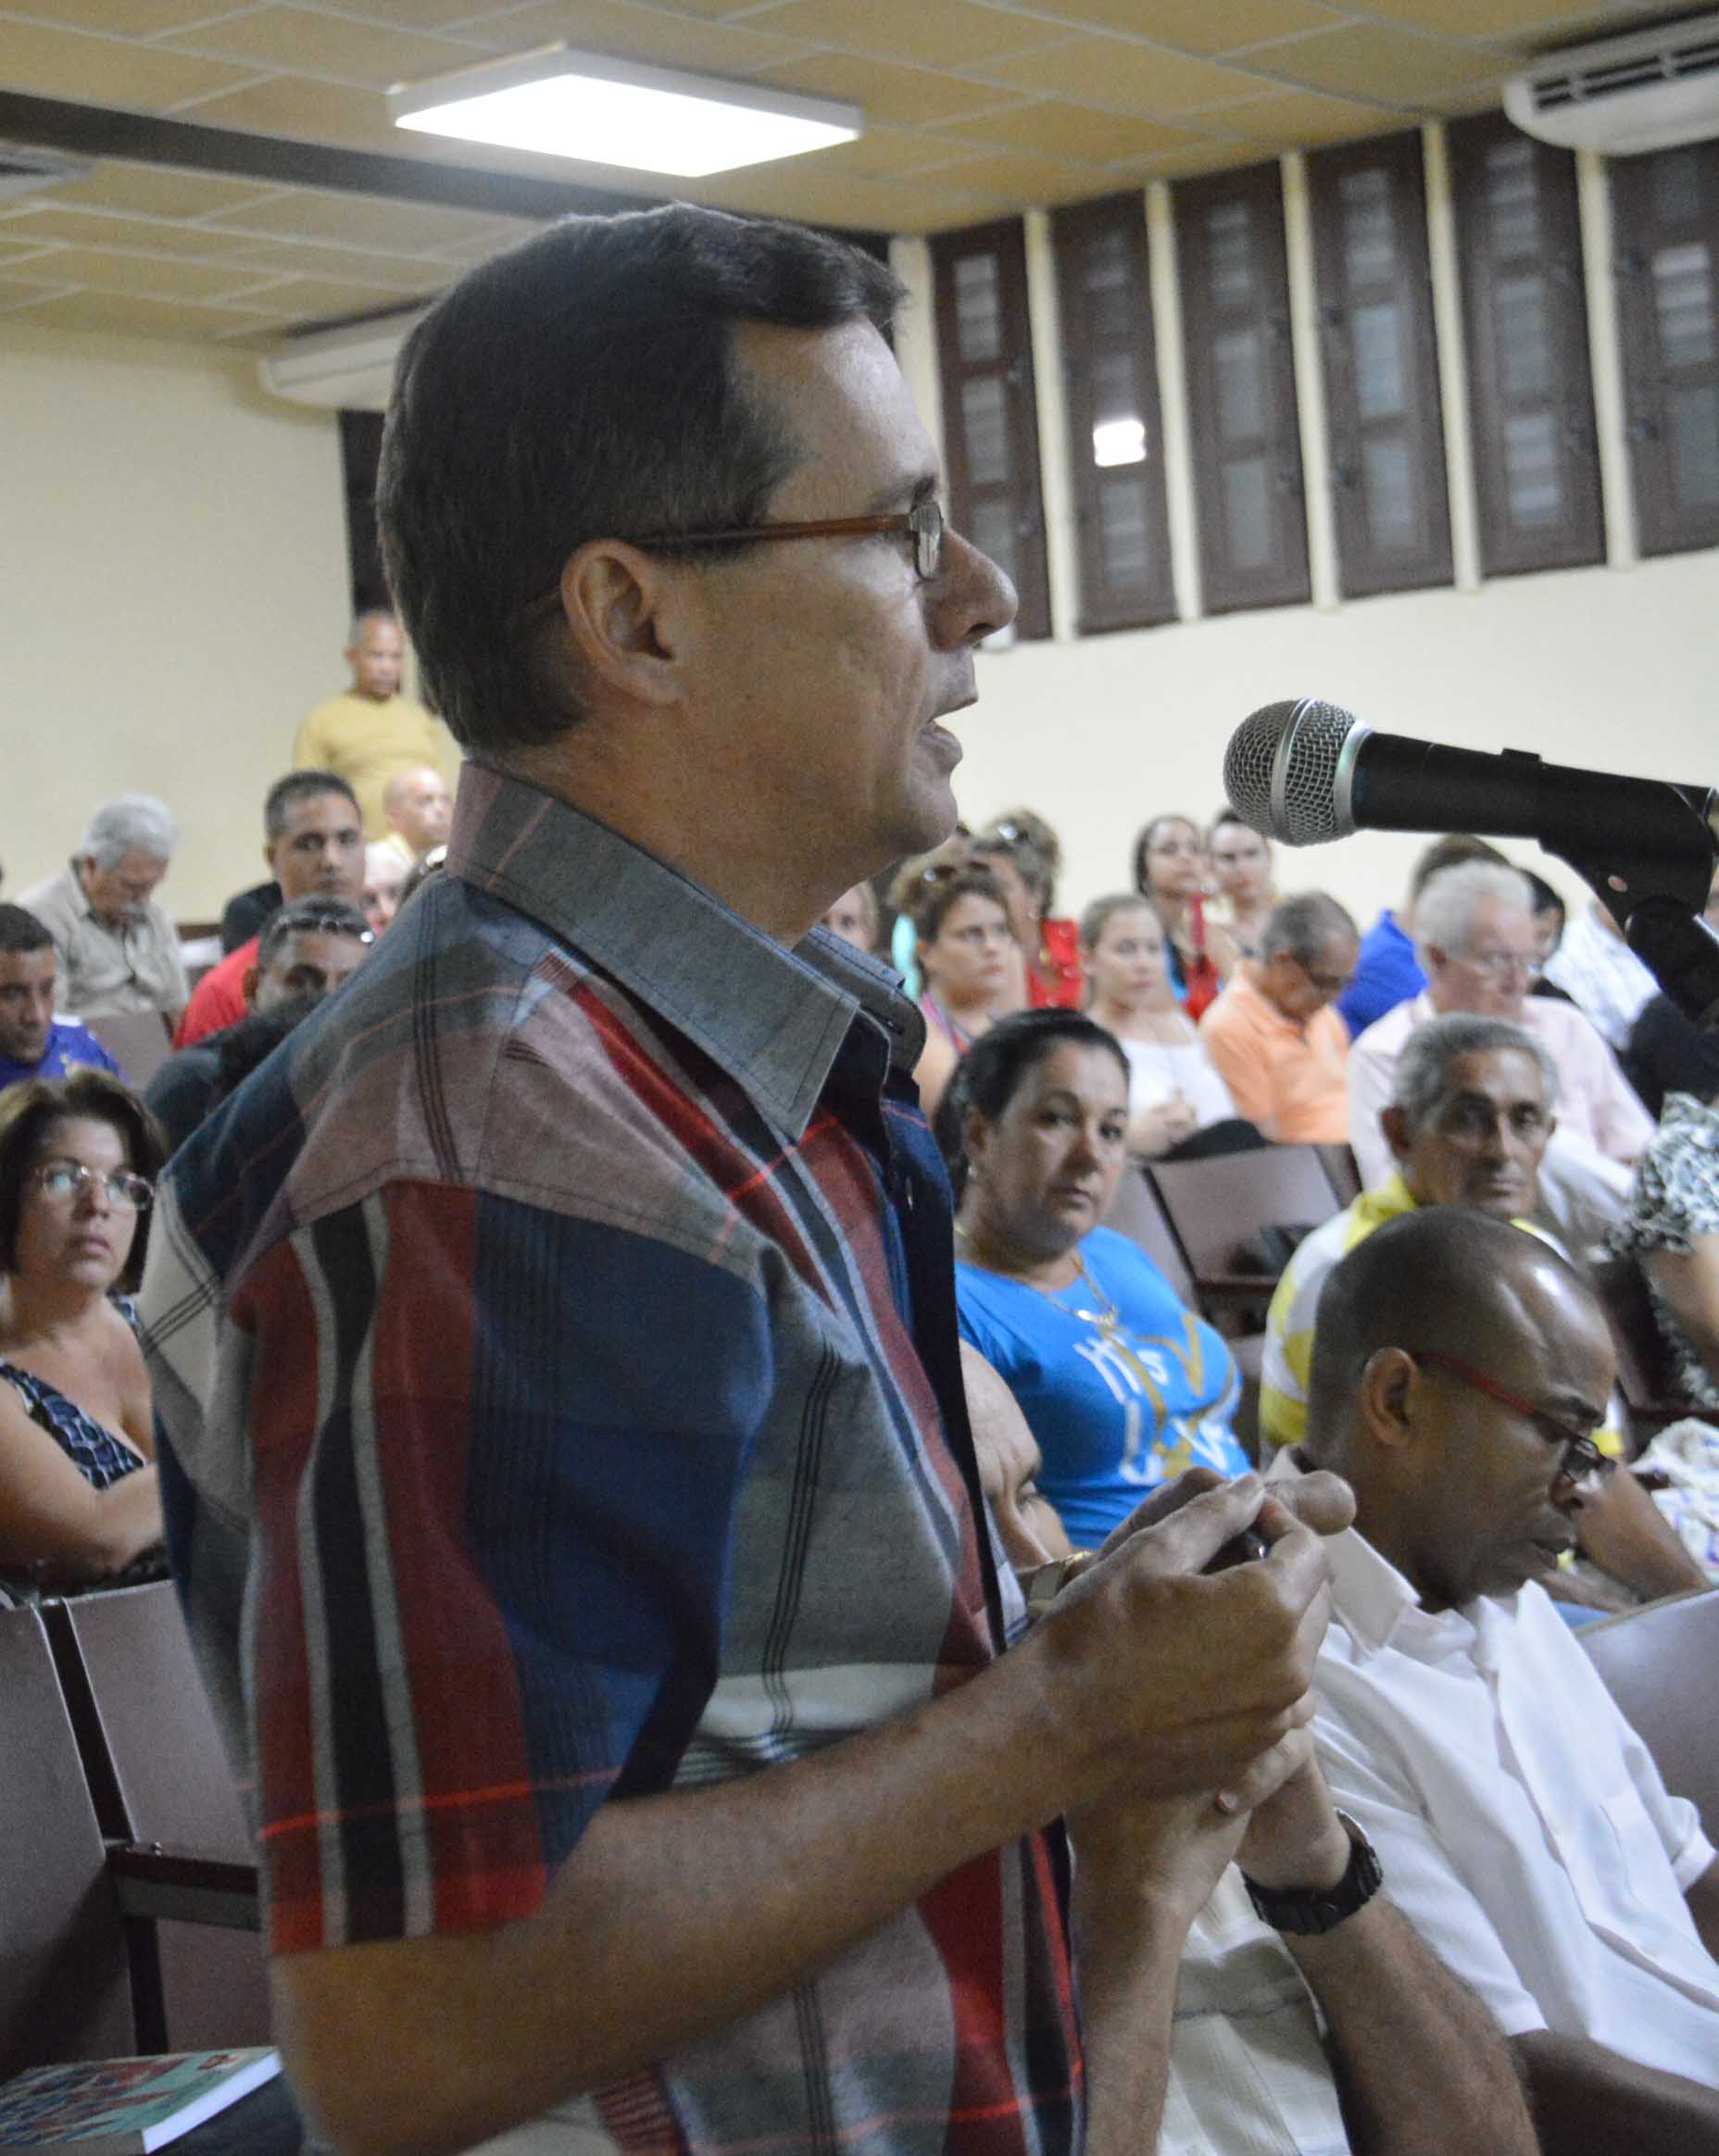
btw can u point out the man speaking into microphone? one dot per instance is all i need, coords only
(564, 1448)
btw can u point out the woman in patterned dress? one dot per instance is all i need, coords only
(78, 1499)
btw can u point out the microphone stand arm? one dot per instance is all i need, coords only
(1657, 896)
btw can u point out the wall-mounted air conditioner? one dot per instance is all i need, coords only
(1651, 90)
(345, 370)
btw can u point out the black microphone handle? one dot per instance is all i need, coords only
(1400, 784)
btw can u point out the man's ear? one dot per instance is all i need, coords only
(1389, 1383)
(623, 610)
(1395, 1124)
(247, 985)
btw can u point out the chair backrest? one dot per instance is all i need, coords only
(160, 1773)
(136, 1039)
(65, 1992)
(1217, 1204)
(1657, 1662)
(1134, 1211)
(1340, 1164)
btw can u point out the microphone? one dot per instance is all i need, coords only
(1306, 772)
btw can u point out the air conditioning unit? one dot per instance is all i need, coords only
(1651, 90)
(349, 369)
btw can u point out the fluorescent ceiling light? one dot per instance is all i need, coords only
(619, 112)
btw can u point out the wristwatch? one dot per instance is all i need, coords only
(1306, 1909)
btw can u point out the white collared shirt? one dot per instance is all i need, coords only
(1522, 1828)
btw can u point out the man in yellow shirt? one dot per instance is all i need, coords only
(371, 731)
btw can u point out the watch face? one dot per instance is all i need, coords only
(1309, 1913)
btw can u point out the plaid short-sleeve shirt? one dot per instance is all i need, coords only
(555, 1352)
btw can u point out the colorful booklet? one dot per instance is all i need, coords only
(125, 2107)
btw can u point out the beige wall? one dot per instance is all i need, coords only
(173, 599)
(1614, 668)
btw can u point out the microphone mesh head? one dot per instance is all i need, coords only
(1280, 770)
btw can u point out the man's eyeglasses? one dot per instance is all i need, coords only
(1579, 1460)
(71, 1179)
(922, 523)
(1500, 965)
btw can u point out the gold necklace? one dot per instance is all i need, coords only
(1108, 1318)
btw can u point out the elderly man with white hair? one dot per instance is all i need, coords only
(117, 950)
(1475, 938)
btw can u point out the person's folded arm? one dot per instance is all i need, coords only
(678, 1913)
(51, 1515)
(1687, 1282)
(1420, 2066)
(1702, 1897)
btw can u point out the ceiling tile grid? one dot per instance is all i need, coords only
(975, 108)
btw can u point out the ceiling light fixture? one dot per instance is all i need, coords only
(620, 112)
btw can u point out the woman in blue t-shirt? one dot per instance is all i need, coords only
(1123, 1385)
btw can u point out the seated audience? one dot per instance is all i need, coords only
(1672, 1227)
(34, 1043)
(1527, 1834)
(1122, 1387)
(1173, 1088)
(1387, 971)
(1474, 933)
(385, 878)
(371, 730)
(1596, 970)
(313, 841)
(1285, 2039)
(306, 950)
(1171, 868)
(1020, 876)
(117, 950)
(853, 916)
(1273, 1037)
(1472, 1109)
(1241, 867)
(418, 804)
(78, 1499)
(966, 952)
(1051, 942)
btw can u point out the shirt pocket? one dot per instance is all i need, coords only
(1630, 1864)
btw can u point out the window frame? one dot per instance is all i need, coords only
(1006, 241)
(1103, 605)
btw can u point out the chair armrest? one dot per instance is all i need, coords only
(159, 1884)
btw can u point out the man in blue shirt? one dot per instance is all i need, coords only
(34, 1043)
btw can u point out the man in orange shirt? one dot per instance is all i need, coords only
(1277, 1044)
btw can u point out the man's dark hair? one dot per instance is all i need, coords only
(30, 1110)
(20, 930)
(310, 917)
(1441, 1278)
(240, 1047)
(298, 786)
(1301, 927)
(582, 387)
(989, 1074)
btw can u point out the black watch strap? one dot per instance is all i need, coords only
(1304, 1910)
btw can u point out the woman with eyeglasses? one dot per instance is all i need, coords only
(79, 1499)
(1172, 867)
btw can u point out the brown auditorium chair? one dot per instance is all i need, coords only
(1135, 1212)
(137, 1040)
(1340, 1166)
(160, 1775)
(78, 1910)
(1236, 1217)
(1657, 1662)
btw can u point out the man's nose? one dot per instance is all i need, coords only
(973, 593)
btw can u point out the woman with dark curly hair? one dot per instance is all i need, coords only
(78, 1500)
